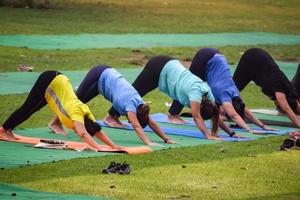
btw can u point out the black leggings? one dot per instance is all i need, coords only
(296, 81)
(88, 88)
(148, 79)
(34, 102)
(198, 67)
(254, 64)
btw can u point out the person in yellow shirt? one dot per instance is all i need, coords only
(54, 88)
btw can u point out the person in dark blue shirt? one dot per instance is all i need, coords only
(211, 66)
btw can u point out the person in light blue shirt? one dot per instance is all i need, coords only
(211, 66)
(125, 100)
(117, 90)
(180, 84)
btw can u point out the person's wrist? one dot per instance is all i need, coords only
(232, 134)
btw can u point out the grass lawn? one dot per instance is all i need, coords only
(154, 16)
(252, 170)
(249, 170)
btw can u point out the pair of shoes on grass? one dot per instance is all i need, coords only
(121, 168)
(290, 143)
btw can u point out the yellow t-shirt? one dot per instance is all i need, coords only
(64, 102)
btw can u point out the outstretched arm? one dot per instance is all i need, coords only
(234, 116)
(86, 137)
(104, 138)
(249, 115)
(195, 106)
(138, 129)
(155, 127)
(215, 125)
(283, 104)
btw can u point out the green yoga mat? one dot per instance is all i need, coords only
(22, 82)
(281, 118)
(14, 154)
(8, 191)
(85, 41)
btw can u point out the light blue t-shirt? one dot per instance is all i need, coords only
(219, 79)
(119, 91)
(180, 84)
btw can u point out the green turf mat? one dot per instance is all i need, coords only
(22, 82)
(84, 41)
(14, 154)
(8, 191)
(281, 118)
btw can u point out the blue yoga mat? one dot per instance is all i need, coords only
(163, 118)
(175, 131)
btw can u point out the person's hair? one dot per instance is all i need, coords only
(239, 106)
(142, 114)
(91, 127)
(208, 109)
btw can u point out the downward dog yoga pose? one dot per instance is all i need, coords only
(180, 84)
(125, 99)
(54, 88)
(296, 81)
(211, 66)
(258, 66)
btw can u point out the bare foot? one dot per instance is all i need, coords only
(176, 119)
(57, 129)
(7, 135)
(113, 122)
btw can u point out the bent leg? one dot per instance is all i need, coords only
(34, 102)
(296, 81)
(245, 70)
(200, 60)
(88, 88)
(148, 79)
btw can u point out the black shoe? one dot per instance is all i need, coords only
(112, 168)
(290, 143)
(124, 169)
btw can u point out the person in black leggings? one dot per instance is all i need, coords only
(258, 66)
(151, 78)
(125, 99)
(211, 66)
(55, 89)
(296, 81)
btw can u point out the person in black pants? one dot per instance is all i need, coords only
(125, 99)
(211, 66)
(296, 81)
(179, 83)
(258, 66)
(55, 89)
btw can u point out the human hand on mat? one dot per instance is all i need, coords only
(169, 141)
(257, 132)
(155, 144)
(268, 128)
